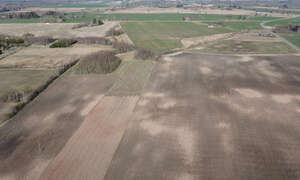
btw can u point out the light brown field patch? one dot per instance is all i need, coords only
(90, 150)
(205, 70)
(43, 57)
(249, 93)
(56, 30)
(188, 42)
(282, 98)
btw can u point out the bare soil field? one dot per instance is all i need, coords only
(88, 154)
(201, 116)
(56, 30)
(215, 117)
(32, 139)
(44, 57)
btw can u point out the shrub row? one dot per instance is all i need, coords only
(122, 47)
(114, 32)
(7, 42)
(94, 40)
(41, 40)
(142, 53)
(62, 43)
(101, 62)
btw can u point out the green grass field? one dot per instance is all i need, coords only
(164, 36)
(293, 38)
(284, 22)
(239, 26)
(77, 5)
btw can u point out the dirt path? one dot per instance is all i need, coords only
(215, 117)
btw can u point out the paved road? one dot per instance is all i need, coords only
(280, 37)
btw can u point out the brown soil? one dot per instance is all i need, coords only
(44, 57)
(37, 134)
(88, 154)
(56, 30)
(199, 117)
(233, 121)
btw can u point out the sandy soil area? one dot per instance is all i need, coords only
(44, 57)
(56, 30)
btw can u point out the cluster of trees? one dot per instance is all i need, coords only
(7, 42)
(41, 40)
(142, 53)
(94, 40)
(114, 32)
(286, 29)
(101, 62)
(97, 22)
(63, 43)
(19, 15)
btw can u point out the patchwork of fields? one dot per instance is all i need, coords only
(77, 5)
(154, 17)
(77, 17)
(217, 97)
